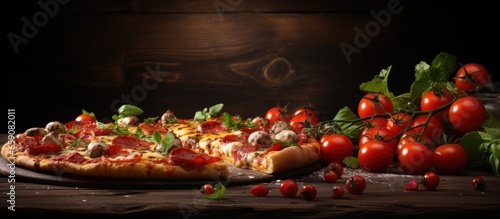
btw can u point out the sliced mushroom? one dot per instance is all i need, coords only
(260, 121)
(279, 126)
(260, 137)
(128, 121)
(35, 132)
(96, 148)
(287, 136)
(52, 137)
(56, 127)
(168, 117)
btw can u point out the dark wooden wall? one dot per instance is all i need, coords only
(248, 54)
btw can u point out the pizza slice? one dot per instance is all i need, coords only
(88, 148)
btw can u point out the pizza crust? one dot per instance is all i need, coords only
(292, 157)
(140, 170)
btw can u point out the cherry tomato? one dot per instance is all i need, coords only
(308, 192)
(415, 158)
(330, 176)
(449, 159)
(398, 122)
(467, 114)
(374, 103)
(472, 75)
(412, 185)
(289, 188)
(436, 98)
(85, 117)
(336, 167)
(430, 180)
(375, 156)
(433, 127)
(300, 121)
(307, 111)
(278, 113)
(207, 189)
(259, 190)
(413, 136)
(355, 184)
(336, 192)
(380, 133)
(478, 183)
(335, 148)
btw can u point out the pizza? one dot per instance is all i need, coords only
(163, 147)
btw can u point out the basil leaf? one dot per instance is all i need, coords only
(129, 110)
(219, 192)
(168, 142)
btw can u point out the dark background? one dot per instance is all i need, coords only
(249, 55)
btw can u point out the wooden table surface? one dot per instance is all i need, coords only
(385, 196)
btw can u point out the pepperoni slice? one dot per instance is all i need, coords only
(84, 134)
(187, 157)
(74, 157)
(150, 128)
(46, 147)
(233, 137)
(81, 125)
(242, 151)
(128, 141)
(212, 126)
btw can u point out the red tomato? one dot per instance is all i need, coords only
(335, 148)
(336, 192)
(278, 113)
(85, 117)
(398, 122)
(380, 133)
(478, 183)
(307, 111)
(374, 122)
(436, 98)
(355, 184)
(412, 185)
(336, 167)
(430, 180)
(375, 156)
(374, 103)
(207, 189)
(413, 136)
(433, 127)
(449, 159)
(308, 192)
(289, 188)
(330, 176)
(415, 158)
(300, 121)
(259, 190)
(467, 114)
(470, 76)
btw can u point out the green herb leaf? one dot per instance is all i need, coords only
(345, 118)
(168, 142)
(150, 120)
(207, 113)
(483, 150)
(139, 133)
(219, 192)
(237, 123)
(351, 162)
(129, 110)
(286, 143)
(379, 83)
